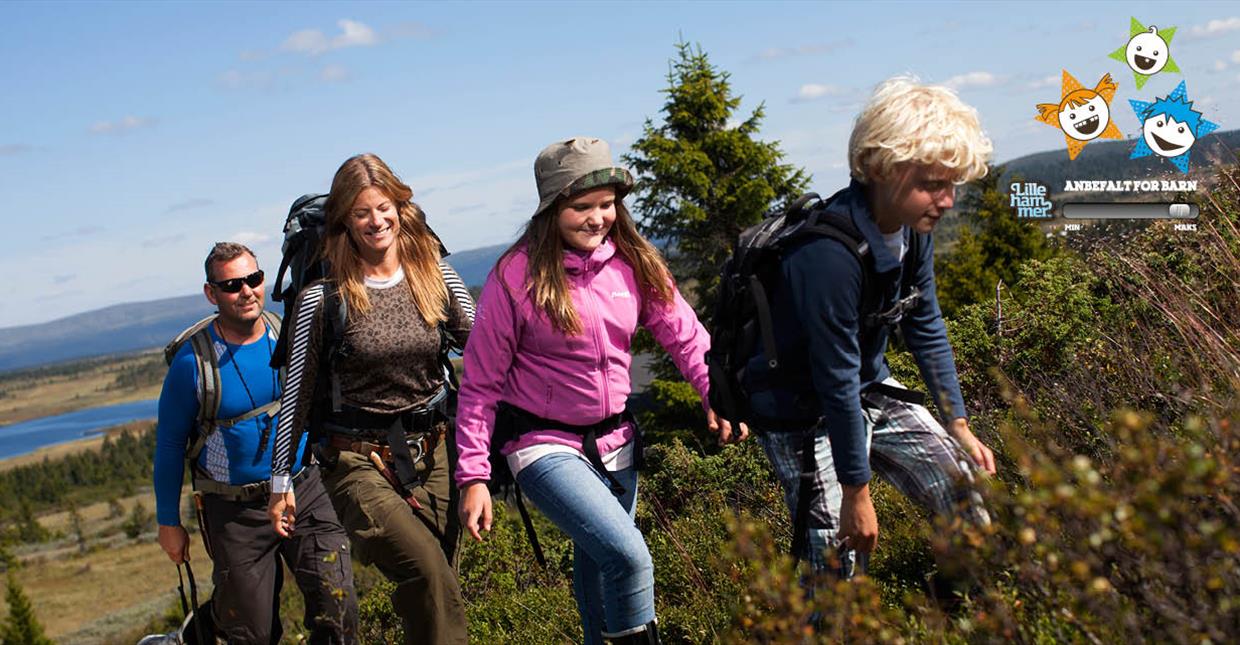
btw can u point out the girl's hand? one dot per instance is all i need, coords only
(281, 508)
(476, 509)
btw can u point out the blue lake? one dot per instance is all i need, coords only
(28, 436)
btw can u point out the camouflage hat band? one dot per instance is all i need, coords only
(618, 177)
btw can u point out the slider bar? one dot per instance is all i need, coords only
(1129, 210)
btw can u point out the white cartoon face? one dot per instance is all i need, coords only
(1166, 136)
(1147, 52)
(1085, 122)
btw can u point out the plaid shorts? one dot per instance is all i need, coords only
(908, 448)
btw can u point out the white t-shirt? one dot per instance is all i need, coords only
(895, 243)
(618, 459)
(397, 278)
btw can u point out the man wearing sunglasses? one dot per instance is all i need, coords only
(216, 412)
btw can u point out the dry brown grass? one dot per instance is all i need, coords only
(42, 395)
(71, 592)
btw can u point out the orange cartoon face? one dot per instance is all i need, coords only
(1082, 113)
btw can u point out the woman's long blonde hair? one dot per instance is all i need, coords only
(547, 282)
(417, 247)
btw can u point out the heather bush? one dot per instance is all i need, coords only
(1107, 390)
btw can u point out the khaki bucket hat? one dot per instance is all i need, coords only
(573, 166)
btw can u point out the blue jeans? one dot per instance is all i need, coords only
(613, 575)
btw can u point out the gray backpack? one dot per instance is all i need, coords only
(198, 335)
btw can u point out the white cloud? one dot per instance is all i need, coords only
(1216, 27)
(162, 240)
(973, 79)
(314, 42)
(122, 125)
(189, 204)
(1046, 81)
(306, 41)
(251, 238)
(1235, 57)
(814, 91)
(776, 53)
(355, 34)
(236, 80)
(334, 74)
(1219, 66)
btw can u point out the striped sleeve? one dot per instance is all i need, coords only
(460, 309)
(299, 387)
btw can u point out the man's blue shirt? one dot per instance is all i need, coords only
(232, 455)
(827, 357)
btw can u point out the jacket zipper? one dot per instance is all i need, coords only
(596, 319)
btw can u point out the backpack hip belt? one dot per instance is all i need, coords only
(402, 439)
(240, 493)
(512, 422)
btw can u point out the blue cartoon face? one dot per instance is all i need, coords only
(1167, 137)
(1147, 53)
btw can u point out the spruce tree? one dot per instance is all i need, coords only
(701, 177)
(21, 627)
(991, 248)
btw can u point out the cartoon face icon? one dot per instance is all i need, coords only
(1086, 120)
(1147, 53)
(1167, 137)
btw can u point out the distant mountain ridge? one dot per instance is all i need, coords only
(142, 325)
(135, 326)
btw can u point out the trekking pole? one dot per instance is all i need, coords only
(193, 597)
(181, 589)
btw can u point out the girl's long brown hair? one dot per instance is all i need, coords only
(417, 247)
(547, 282)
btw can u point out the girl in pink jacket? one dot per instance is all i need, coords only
(547, 375)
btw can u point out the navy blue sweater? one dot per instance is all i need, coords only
(828, 358)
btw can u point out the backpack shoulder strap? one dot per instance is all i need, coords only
(276, 324)
(174, 345)
(336, 320)
(839, 226)
(208, 372)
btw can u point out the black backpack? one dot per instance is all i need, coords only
(305, 228)
(742, 319)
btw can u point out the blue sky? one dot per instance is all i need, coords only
(136, 134)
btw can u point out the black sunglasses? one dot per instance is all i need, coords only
(233, 285)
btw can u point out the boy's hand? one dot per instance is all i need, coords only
(858, 522)
(981, 455)
(722, 427)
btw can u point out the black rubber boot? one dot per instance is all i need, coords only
(648, 635)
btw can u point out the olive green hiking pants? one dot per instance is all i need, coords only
(416, 549)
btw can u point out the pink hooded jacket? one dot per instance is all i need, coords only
(516, 355)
